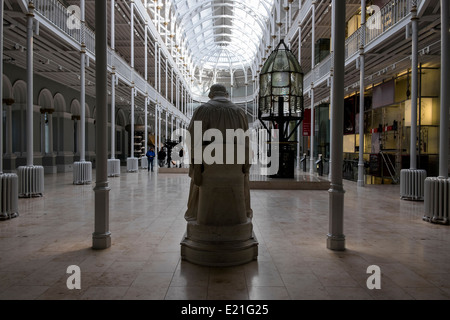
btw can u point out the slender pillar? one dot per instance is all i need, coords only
(167, 120)
(166, 76)
(50, 131)
(8, 129)
(82, 170)
(113, 114)
(414, 85)
(146, 123)
(83, 86)
(132, 162)
(159, 69)
(113, 85)
(132, 121)
(445, 85)
(171, 86)
(29, 114)
(299, 135)
(336, 238)
(159, 124)
(156, 127)
(362, 64)
(156, 66)
(171, 122)
(83, 109)
(313, 64)
(311, 158)
(101, 238)
(1, 87)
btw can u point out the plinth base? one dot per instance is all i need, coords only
(219, 254)
(219, 246)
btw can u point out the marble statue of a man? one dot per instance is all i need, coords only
(220, 230)
(221, 114)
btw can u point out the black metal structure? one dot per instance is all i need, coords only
(281, 103)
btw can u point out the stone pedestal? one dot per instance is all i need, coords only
(221, 231)
(219, 246)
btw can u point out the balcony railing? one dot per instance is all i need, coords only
(378, 24)
(64, 20)
(388, 16)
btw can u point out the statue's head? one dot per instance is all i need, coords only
(218, 90)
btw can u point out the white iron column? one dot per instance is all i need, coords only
(1, 88)
(82, 170)
(83, 86)
(156, 66)
(167, 120)
(171, 122)
(335, 237)
(29, 115)
(436, 196)
(113, 85)
(414, 85)
(132, 84)
(166, 76)
(171, 86)
(159, 69)
(146, 122)
(313, 37)
(412, 181)
(159, 124)
(156, 128)
(8, 129)
(9, 198)
(132, 162)
(132, 120)
(101, 238)
(445, 85)
(113, 114)
(300, 61)
(31, 178)
(113, 163)
(362, 63)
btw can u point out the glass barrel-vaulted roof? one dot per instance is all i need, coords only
(223, 34)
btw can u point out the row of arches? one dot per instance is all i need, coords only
(56, 127)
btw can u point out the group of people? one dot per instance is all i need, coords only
(151, 155)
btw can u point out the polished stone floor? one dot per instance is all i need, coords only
(147, 224)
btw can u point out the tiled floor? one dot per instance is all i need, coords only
(147, 224)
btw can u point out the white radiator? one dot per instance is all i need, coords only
(9, 193)
(113, 167)
(144, 163)
(132, 164)
(437, 200)
(82, 172)
(31, 181)
(412, 184)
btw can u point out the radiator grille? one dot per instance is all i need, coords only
(82, 172)
(436, 203)
(31, 181)
(9, 193)
(412, 184)
(113, 167)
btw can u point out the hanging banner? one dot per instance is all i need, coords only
(307, 123)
